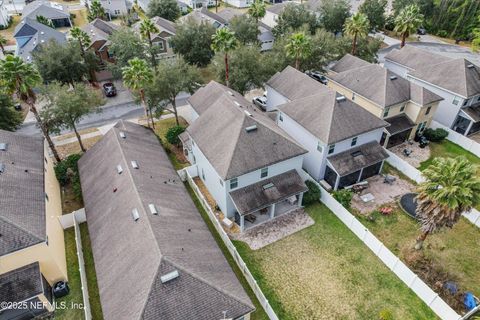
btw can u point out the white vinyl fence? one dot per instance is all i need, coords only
(473, 216)
(231, 248)
(81, 265)
(461, 140)
(422, 290)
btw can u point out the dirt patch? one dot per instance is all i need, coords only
(384, 193)
(72, 134)
(71, 148)
(417, 155)
(274, 230)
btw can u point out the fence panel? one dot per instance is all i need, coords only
(83, 275)
(461, 140)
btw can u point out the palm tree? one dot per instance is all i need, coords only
(20, 78)
(257, 9)
(407, 21)
(224, 41)
(3, 43)
(96, 11)
(298, 47)
(82, 37)
(356, 26)
(136, 76)
(452, 187)
(147, 27)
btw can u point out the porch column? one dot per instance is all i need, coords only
(468, 128)
(300, 198)
(272, 211)
(360, 175)
(242, 223)
(337, 182)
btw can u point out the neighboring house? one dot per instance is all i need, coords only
(30, 35)
(196, 4)
(113, 8)
(239, 3)
(203, 15)
(273, 13)
(265, 37)
(406, 106)
(289, 85)
(181, 4)
(457, 81)
(248, 164)
(99, 31)
(161, 39)
(54, 12)
(4, 17)
(155, 257)
(347, 62)
(32, 248)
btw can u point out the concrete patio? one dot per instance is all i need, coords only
(417, 156)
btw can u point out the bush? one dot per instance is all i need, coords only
(173, 133)
(67, 172)
(436, 135)
(442, 33)
(344, 196)
(312, 195)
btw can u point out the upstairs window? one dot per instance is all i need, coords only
(354, 141)
(385, 112)
(402, 108)
(353, 96)
(280, 117)
(319, 147)
(331, 149)
(264, 173)
(428, 110)
(233, 183)
(455, 101)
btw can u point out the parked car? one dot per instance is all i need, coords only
(109, 89)
(421, 31)
(260, 102)
(316, 75)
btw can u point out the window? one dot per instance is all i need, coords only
(45, 158)
(194, 160)
(354, 141)
(117, 12)
(353, 96)
(264, 173)
(203, 174)
(46, 196)
(331, 149)
(455, 100)
(233, 183)
(280, 117)
(160, 45)
(428, 110)
(319, 147)
(465, 102)
(221, 182)
(385, 113)
(402, 108)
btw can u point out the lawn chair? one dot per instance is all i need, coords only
(388, 179)
(407, 152)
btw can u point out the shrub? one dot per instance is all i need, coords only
(312, 195)
(173, 133)
(344, 196)
(67, 172)
(436, 135)
(442, 33)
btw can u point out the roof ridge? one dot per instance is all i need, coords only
(332, 113)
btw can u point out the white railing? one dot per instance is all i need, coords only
(422, 290)
(461, 140)
(231, 248)
(67, 220)
(81, 266)
(473, 216)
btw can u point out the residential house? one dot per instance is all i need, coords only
(181, 4)
(239, 3)
(406, 106)
(30, 35)
(161, 39)
(347, 62)
(52, 11)
(273, 13)
(248, 164)
(457, 81)
(204, 15)
(32, 248)
(197, 4)
(155, 257)
(113, 8)
(4, 16)
(99, 32)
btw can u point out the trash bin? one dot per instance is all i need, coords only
(60, 289)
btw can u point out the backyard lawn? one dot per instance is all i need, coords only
(175, 153)
(447, 149)
(8, 33)
(326, 272)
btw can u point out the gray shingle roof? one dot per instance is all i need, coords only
(422, 96)
(399, 123)
(213, 15)
(473, 112)
(99, 29)
(228, 14)
(413, 57)
(294, 84)
(130, 256)
(357, 158)
(220, 133)
(22, 196)
(348, 62)
(21, 284)
(331, 120)
(255, 197)
(279, 7)
(165, 24)
(45, 9)
(204, 97)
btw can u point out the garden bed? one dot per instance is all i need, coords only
(175, 153)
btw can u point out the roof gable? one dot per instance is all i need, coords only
(348, 62)
(294, 84)
(414, 58)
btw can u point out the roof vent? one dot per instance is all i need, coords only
(2, 168)
(135, 164)
(119, 169)
(153, 209)
(135, 214)
(42, 32)
(393, 77)
(122, 135)
(169, 276)
(230, 93)
(248, 113)
(251, 128)
(3, 146)
(237, 104)
(341, 98)
(357, 153)
(470, 66)
(268, 186)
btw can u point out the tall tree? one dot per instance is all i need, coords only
(194, 42)
(3, 43)
(136, 76)
(298, 47)
(333, 14)
(375, 12)
(65, 107)
(452, 187)
(96, 11)
(147, 28)
(245, 29)
(125, 45)
(257, 10)
(224, 41)
(167, 9)
(21, 78)
(10, 119)
(82, 38)
(293, 18)
(356, 26)
(408, 21)
(171, 78)
(476, 37)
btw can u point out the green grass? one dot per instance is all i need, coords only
(161, 128)
(447, 149)
(259, 313)
(326, 272)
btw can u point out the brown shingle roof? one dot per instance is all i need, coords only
(348, 62)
